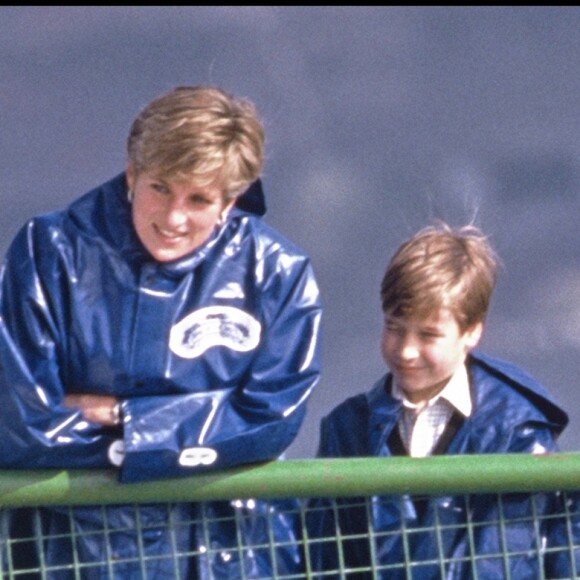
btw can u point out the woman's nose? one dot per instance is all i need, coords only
(175, 213)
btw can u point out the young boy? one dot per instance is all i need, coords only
(439, 397)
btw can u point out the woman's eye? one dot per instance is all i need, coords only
(199, 200)
(159, 188)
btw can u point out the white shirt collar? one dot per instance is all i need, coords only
(456, 392)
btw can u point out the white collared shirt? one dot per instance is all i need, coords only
(422, 424)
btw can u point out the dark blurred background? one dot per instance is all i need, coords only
(378, 121)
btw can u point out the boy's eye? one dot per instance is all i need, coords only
(430, 335)
(394, 328)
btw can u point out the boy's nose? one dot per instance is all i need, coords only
(409, 350)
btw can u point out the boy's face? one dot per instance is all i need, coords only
(423, 353)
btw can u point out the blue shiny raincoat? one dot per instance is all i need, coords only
(214, 355)
(512, 413)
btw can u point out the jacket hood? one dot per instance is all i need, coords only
(481, 365)
(105, 213)
(253, 200)
(524, 384)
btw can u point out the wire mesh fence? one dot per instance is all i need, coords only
(462, 517)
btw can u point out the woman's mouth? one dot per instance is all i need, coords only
(169, 235)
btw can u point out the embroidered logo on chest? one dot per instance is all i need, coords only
(214, 326)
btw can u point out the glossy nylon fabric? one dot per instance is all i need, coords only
(512, 413)
(214, 355)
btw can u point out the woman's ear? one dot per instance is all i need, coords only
(224, 213)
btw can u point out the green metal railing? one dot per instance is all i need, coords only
(337, 480)
(303, 478)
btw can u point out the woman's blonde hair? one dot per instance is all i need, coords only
(442, 267)
(200, 134)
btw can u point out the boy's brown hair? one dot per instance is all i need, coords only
(442, 267)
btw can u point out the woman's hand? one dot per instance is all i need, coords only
(95, 408)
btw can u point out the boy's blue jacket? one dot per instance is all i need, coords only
(512, 413)
(214, 355)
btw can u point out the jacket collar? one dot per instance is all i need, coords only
(384, 412)
(480, 364)
(106, 209)
(253, 200)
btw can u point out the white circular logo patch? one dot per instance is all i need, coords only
(214, 326)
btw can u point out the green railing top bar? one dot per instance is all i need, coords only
(303, 478)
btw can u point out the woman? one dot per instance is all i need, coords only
(159, 325)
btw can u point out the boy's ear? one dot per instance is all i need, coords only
(473, 335)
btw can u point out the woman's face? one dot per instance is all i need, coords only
(173, 218)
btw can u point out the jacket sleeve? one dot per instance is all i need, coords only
(36, 430)
(252, 421)
(557, 512)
